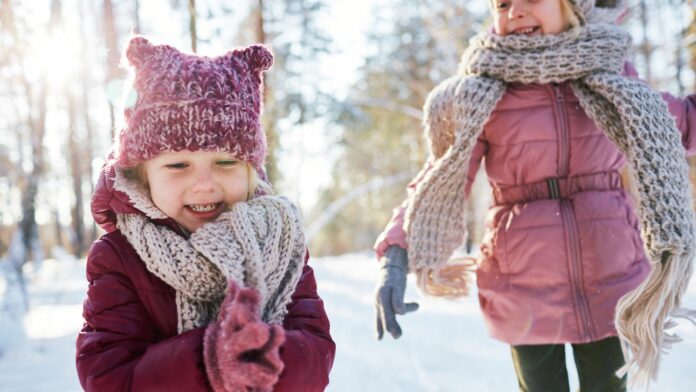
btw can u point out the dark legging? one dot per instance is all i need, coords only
(542, 368)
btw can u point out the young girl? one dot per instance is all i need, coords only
(201, 280)
(548, 100)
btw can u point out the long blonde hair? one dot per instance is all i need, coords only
(569, 14)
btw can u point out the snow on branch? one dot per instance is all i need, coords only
(336, 206)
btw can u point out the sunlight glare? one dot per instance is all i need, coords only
(56, 57)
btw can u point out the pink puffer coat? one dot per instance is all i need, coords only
(562, 243)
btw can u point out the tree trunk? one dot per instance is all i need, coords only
(78, 238)
(37, 127)
(260, 29)
(57, 227)
(272, 171)
(136, 17)
(91, 234)
(679, 65)
(645, 47)
(113, 71)
(192, 24)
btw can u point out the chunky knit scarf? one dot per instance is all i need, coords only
(632, 115)
(258, 243)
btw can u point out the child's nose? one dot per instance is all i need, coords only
(204, 182)
(517, 9)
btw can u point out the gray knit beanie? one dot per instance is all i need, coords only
(582, 8)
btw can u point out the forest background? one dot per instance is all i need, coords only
(342, 105)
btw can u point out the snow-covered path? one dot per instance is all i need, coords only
(445, 346)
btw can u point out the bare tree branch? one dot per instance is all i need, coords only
(335, 207)
(391, 106)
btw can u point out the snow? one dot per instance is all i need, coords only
(445, 346)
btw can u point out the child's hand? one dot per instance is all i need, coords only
(241, 352)
(391, 287)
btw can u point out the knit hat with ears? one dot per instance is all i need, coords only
(599, 11)
(190, 102)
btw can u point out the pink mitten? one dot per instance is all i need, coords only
(241, 351)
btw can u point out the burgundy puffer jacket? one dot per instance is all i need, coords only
(129, 341)
(553, 265)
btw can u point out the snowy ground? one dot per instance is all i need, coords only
(445, 346)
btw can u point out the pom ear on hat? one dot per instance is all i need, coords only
(257, 57)
(138, 49)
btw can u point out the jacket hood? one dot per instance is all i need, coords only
(114, 194)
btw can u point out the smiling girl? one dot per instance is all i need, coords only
(201, 281)
(548, 102)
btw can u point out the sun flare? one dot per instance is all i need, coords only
(55, 57)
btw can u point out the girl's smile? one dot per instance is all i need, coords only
(534, 30)
(206, 211)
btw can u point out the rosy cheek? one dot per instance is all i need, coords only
(498, 27)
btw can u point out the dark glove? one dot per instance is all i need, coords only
(241, 351)
(391, 286)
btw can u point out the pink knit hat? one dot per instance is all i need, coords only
(189, 102)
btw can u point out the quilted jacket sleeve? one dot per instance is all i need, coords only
(119, 348)
(308, 352)
(683, 110)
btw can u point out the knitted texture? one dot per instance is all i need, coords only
(241, 353)
(633, 116)
(189, 102)
(258, 243)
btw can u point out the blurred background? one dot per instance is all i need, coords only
(342, 115)
(342, 107)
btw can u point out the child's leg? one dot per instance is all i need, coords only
(597, 362)
(540, 368)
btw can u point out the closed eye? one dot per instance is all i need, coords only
(227, 162)
(176, 166)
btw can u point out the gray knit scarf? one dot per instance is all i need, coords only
(258, 243)
(633, 116)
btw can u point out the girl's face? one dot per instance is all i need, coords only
(529, 17)
(194, 188)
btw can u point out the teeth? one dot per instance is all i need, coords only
(203, 208)
(525, 31)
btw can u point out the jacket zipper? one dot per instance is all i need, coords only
(569, 223)
(568, 216)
